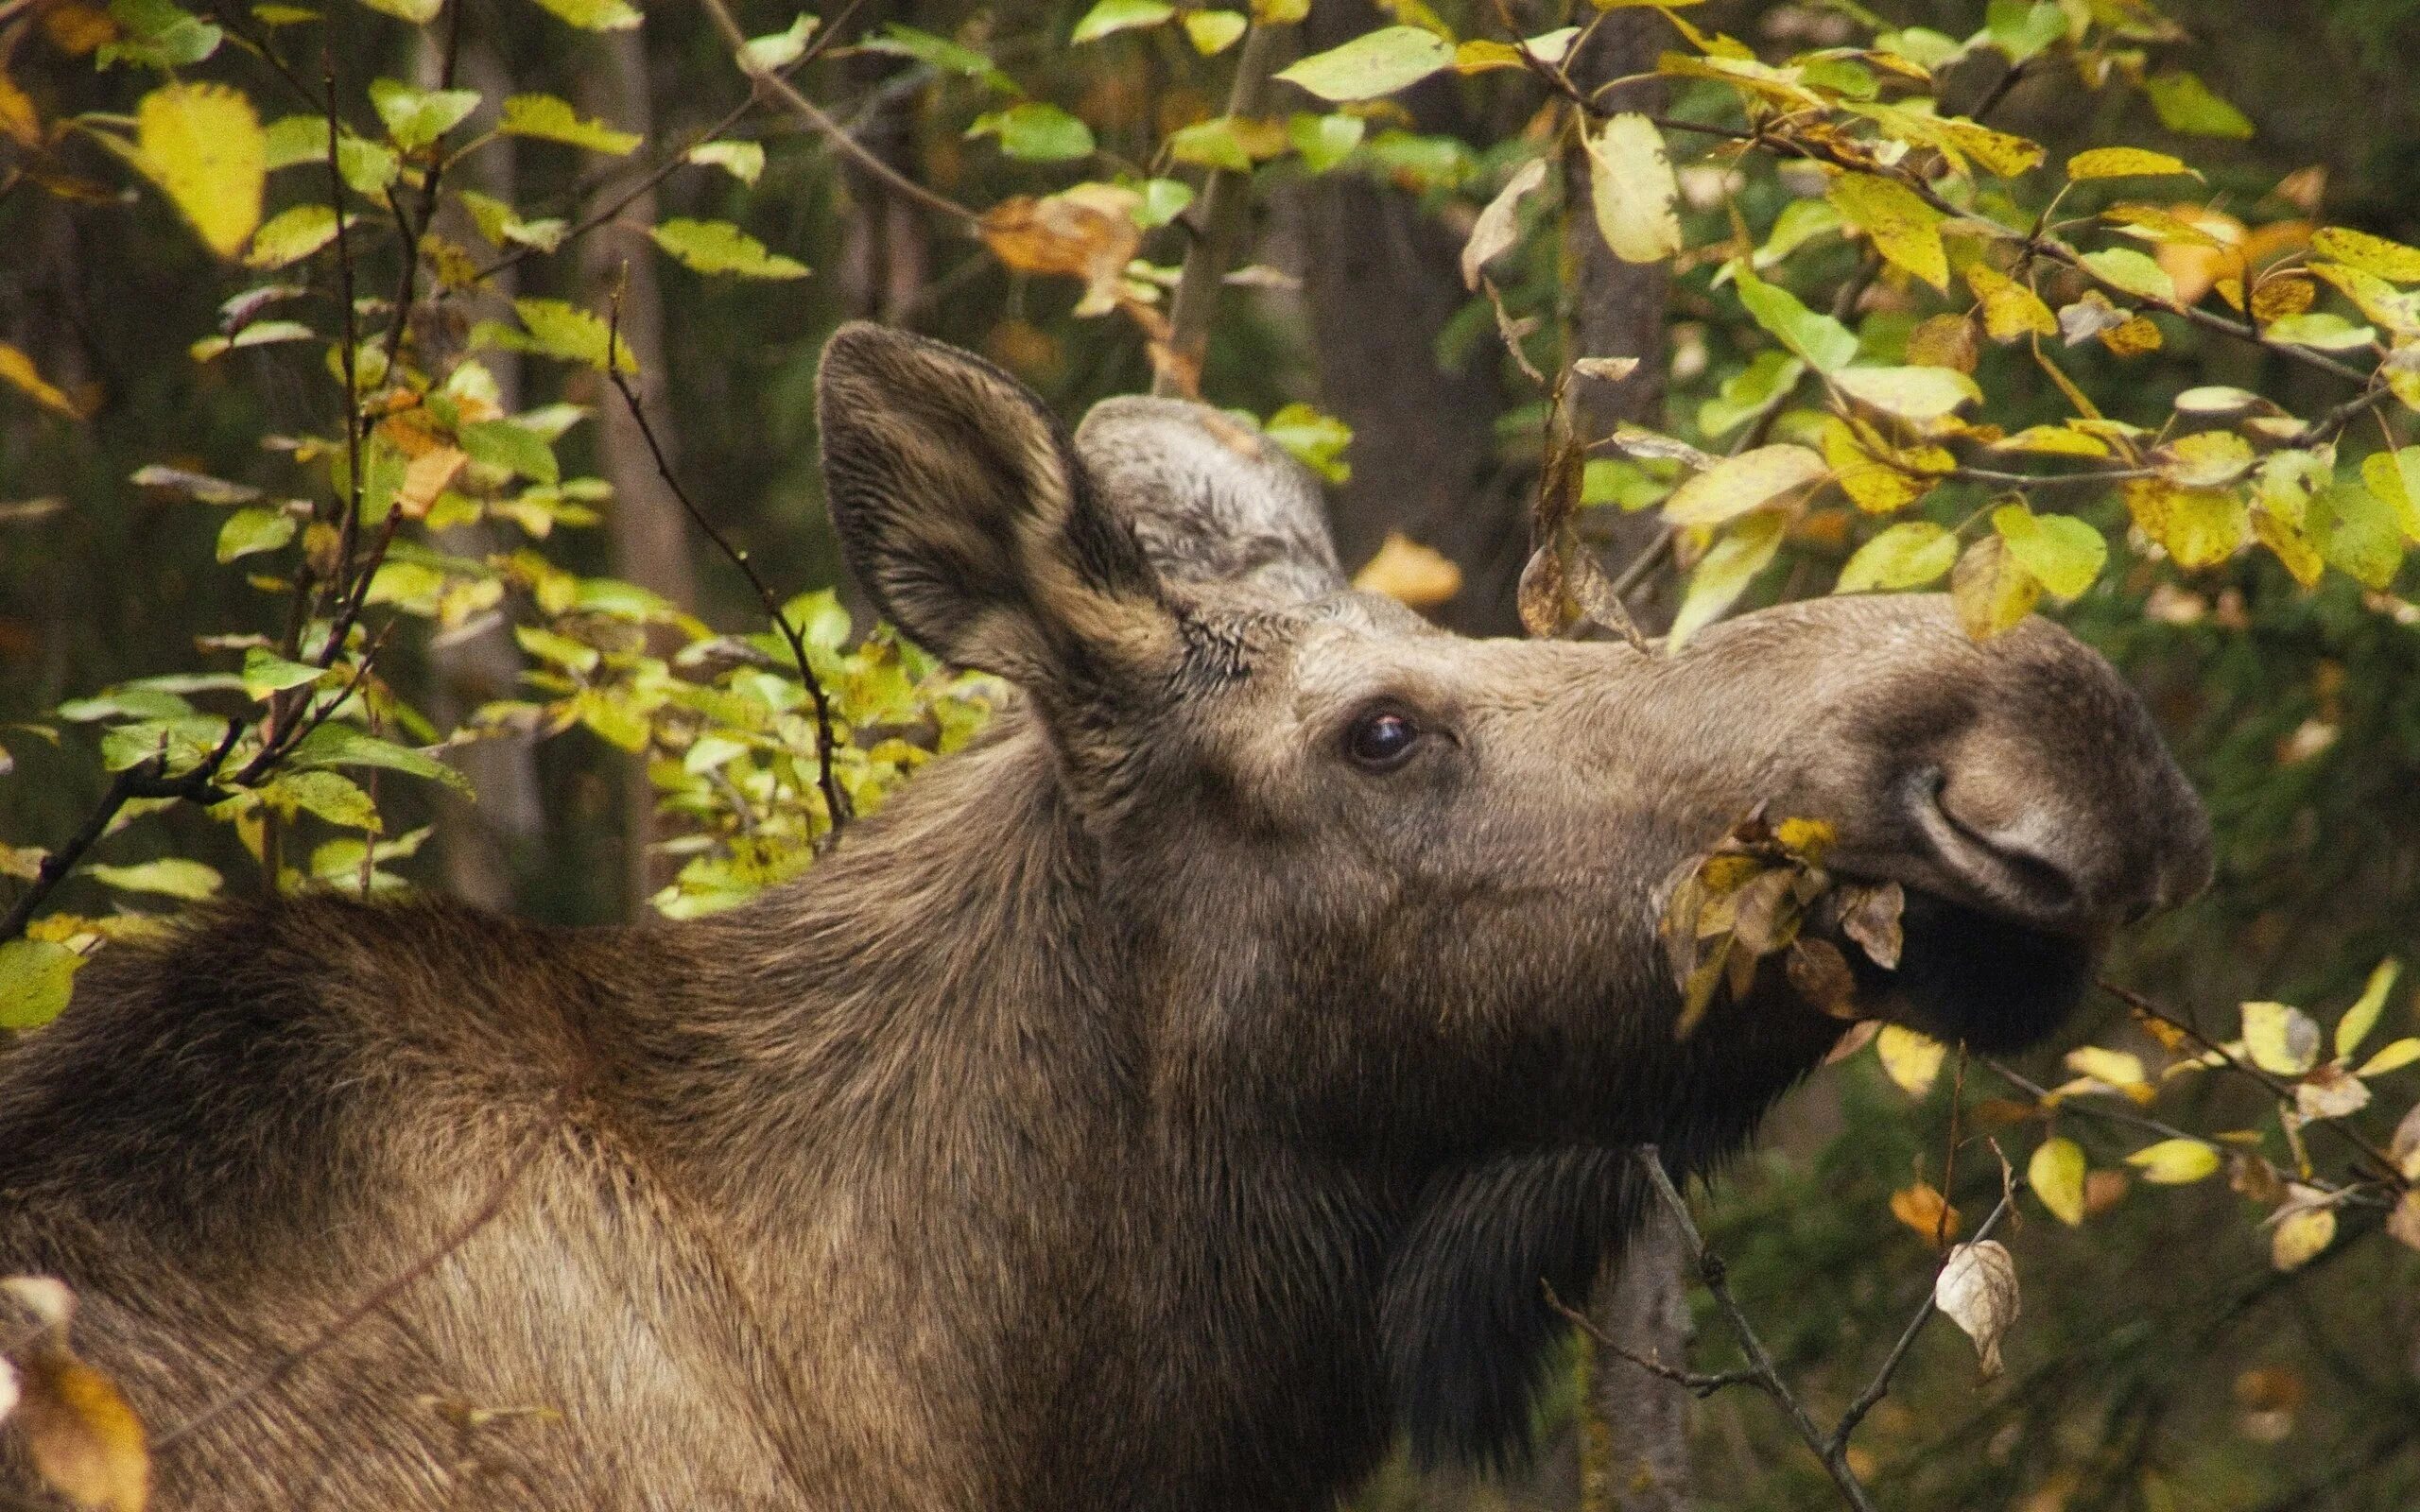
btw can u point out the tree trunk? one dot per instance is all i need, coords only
(649, 531)
(478, 836)
(885, 255)
(1637, 1422)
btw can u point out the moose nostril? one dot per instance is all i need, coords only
(2010, 863)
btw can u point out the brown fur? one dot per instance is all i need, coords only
(1150, 1108)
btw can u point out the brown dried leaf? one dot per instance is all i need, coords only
(1978, 1290)
(1585, 581)
(1540, 596)
(1087, 233)
(1820, 974)
(1870, 915)
(1499, 226)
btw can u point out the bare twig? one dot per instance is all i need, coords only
(1699, 1383)
(1831, 1448)
(1880, 1385)
(1226, 198)
(766, 81)
(835, 803)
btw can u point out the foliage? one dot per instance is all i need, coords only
(2136, 379)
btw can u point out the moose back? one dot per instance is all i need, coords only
(1165, 1102)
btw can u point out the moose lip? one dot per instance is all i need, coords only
(1994, 980)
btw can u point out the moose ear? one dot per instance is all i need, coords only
(961, 506)
(1213, 500)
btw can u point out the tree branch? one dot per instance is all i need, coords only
(1226, 198)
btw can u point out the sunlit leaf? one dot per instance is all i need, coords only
(2186, 105)
(2279, 1039)
(202, 145)
(1631, 189)
(2356, 532)
(743, 161)
(416, 117)
(1737, 485)
(1377, 63)
(1497, 226)
(2176, 1162)
(36, 979)
(1912, 393)
(1120, 15)
(550, 119)
(2056, 1173)
(1037, 132)
(1905, 230)
(1725, 572)
(168, 877)
(2374, 255)
(2301, 1234)
(1409, 572)
(1991, 589)
(2064, 553)
(251, 530)
(720, 247)
(777, 50)
(594, 15)
(1911, 1059)
(1907, 555)
(2363, 1015)
(1324, 141)
(1826, 345)
(2124, 163)
(2393, 1056)
(2132, 272)
(291, 235)
(1923, 1208)
(17, 369)
(1212, 31)
(84, 1441)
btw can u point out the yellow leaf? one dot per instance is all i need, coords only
(1991, 589)
(2132, 336)
(1918, 394)
(2124, 163)
(2388, 260)
(2175, 1163)
(2280, 1040)
(1879, 481)
(1909, 555)
(18, 369)
(2201, 527)
(1409, 572)
(19, 122)
(1737, 485)
(2056, 1175)
(425, 478)
(1910, 1059)
(1632, 191)
(2010, 309)
(2393, 1056)
(2111, 1067)
(2403, 1224)
(202, 145)
(2208, 459)
(83, 1440)
(1906, 231)
(2363, 1015)
(2300, 1236)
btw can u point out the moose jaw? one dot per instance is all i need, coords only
(1165, 1102)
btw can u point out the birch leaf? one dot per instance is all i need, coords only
(2056, 1175)
(1906, 231)
(1498, 225)
(202, 145)
(1737, 485)
(1977, 1290)
(1631, 189)
(1725, 573)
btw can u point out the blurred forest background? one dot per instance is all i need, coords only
(2163, 1360)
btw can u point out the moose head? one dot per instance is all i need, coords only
(1163, 1102)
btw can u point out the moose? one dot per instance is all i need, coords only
(1172, 1100)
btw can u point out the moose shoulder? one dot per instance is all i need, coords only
(1164, 1102)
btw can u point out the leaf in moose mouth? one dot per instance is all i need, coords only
(1750, 897)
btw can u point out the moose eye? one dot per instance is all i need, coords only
(1380, 739)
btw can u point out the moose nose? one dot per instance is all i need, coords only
(2081, 857)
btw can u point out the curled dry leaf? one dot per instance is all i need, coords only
(1820, 974)
(1606, 370)
(1499, 226)
(1087, 233)
(1922, 1208)
(1585, 581)
(1540, 596)
(1870, 915)
(1977, 1290)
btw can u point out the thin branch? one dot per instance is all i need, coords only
(767, 82)
(1702, 1384)
(835, 803)
(1826, 1447)
(407, 281)
(146, 779)
(394, 1286)
(1226, 198)
(1880, 1385)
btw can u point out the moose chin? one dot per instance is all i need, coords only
(1168, 1101)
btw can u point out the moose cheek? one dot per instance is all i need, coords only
(1971, 976)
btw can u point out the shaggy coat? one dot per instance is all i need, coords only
(1165, 1103)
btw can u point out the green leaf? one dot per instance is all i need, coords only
(169, 876)
(1905, 230)
(419, 12)
(1909, 555)
(1164, 199)
(266, 672)
(1036, 132)
(949, 57)
(2356, 532)
(1920, 394)
(2021, 31)
(2322, 329)
(512, 446)
(2135, 273)
(416, 117)
(291, 235)
(771, 54)
(367, 167)
(1377, 63)
(1725, 572)
(292, 139)
(1324, 141)
(1631, 189)
(2125, 163)
(129, 702)
(2394, 476)
(36, 978)
(203, 146)
(2363, 1015)
(563, 329)
(720, 247)
(1213, 32)
(593, 15)
(1211, 143)
(1826, 345)
(2064, 553)
(335, 745)
(251, 530)
(553, 120)
(1316, 438)
(1120, 15)
(2187, 106)
(330, 794)
(156, 34)
(743, 161)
